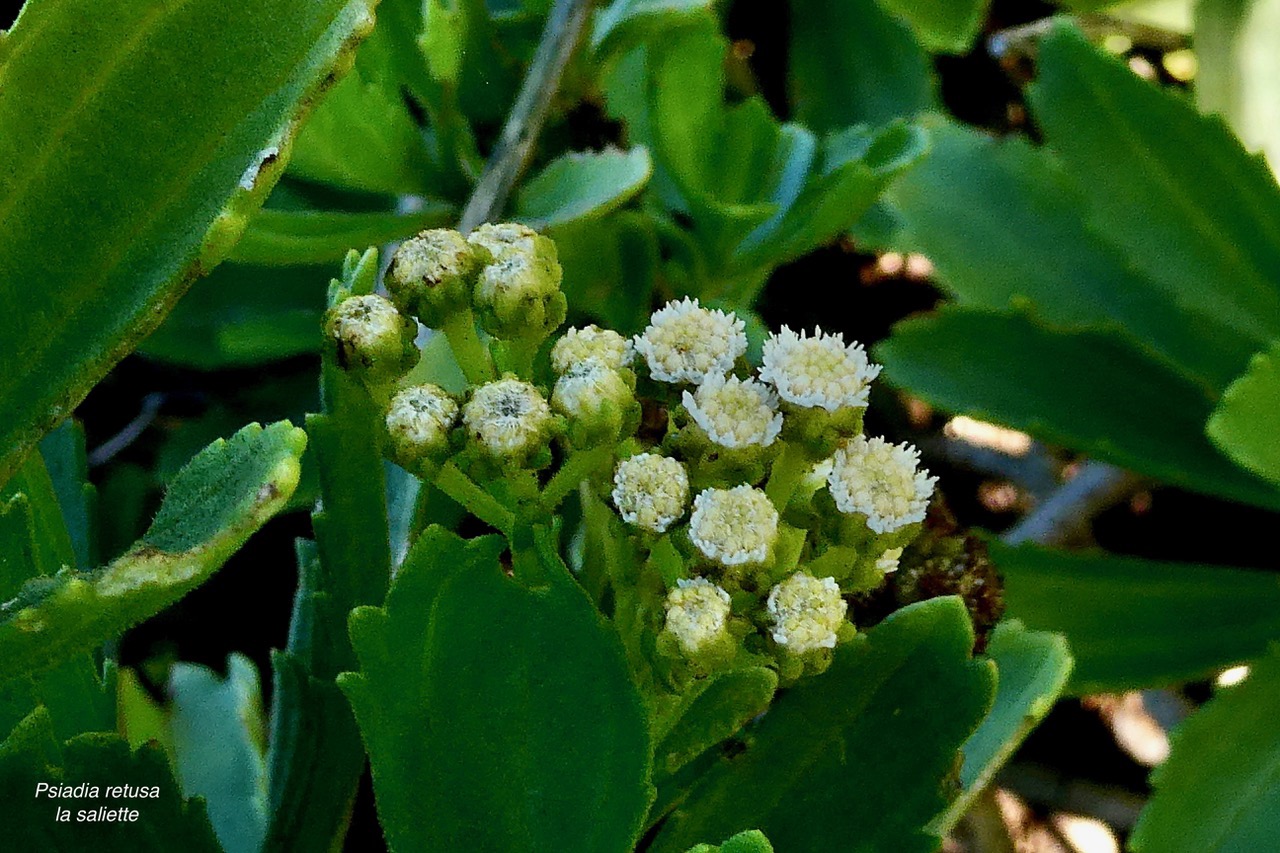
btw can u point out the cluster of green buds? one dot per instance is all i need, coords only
(750, 502)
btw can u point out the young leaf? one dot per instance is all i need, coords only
(467, 677)
(947, 26)
(1090, 390)
(221, 497)
(1242, 424)
(291, 237)
(582, 185)
(858, 756)
(115, 211)
(1218, 791)
(1140, 623)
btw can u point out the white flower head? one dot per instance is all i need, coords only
(419, 419)
(685, 342)
(583, 391)
(591, 342)
(697, 612)
(508, 417)
(881, 481)
(888, 561)
(735, 412)
(651, 491)
(734, 526)
(818, 370)
(806, 612)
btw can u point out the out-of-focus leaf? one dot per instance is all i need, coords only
(854, 63)
(559, 720)
(1031, 671)
(623, 20)
(285, 238)
(862, 754)
(947, 26)
(1238, 66)
(1218, 791)
(583, 185)
(1134, 623)
(113, 211)
(1089, 390)
(610, 266)
(224, 495)
(1243, 424)
(751, 841)
(63, 451)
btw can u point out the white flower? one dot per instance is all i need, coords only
(583, 391)
(818, 371)
(806, 612)
(882, 481)
(734, 526)
(591, 342)
(888, 561)
(508, 417)
(650, 491)
(697, 612)
(734, 412)
(685, 342)
(419, 419)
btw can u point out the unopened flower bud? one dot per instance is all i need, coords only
(697, 614)
(735, 413)
(882, 482)
(685, 342)
(735, 526)
(806, 613)
(651, 491)
(597, 400)
(432, 275)
(518, 292)
(493, 239)
(371, 338)
(418, 423)
(509, 418)
(591, 343)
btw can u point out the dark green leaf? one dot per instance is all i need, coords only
(610, 266)
(558, 719)
(286, 237)
(862, 753)
(583, 185)
(1140, 623)
(1243, 424)
(114, 210)
(63, 451)
(711, 712)
(751, 841)
(1220, 789)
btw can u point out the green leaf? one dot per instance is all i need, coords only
(1134, 623)
(467, 677)
(751, 841)
(1089, 390)
(629, 20)
(956, 207)
(222, 496)
(32, 755)
(1237, 68)
(115, 210)
(289, 237)
(63, 451)
(581, 185)
(946, 26)
(853, 63)
(1209, 229)
(1242, 424)
(711, 712)
(861, 753)
(1220, 788)
(610, 267)
(1031, 671)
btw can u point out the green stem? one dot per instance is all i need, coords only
(476, 500)
(785, 475)
(580, 465)
(469, 351)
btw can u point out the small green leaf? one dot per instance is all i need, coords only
(853, 63)
(467, 677)
(221, 497)
(628, 20)
(1243, 424)
(113, 210)
(582, 185)
(1031, 672)
(751, 841)
(1134, 623)
(1220, 789)
(289, 237)
(1089, 390)
(862, 753)
(947, 26)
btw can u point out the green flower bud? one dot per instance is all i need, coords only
(599, 402)
(509, 420)
(432, 275)
(518, 295)
(418, 423)
(371, 339)
(591, 342)
(697, 615)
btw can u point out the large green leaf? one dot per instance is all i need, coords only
(221, 497)
(1090, 390)
(852, 63)
(949, 26)
(109, 206)
(1140, 623)
(1243, 425)
(467, 677)
(579, 185)
(1238, 67)
(859, 757)
(289, 237)
(1173, 189)
(1220, 789)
